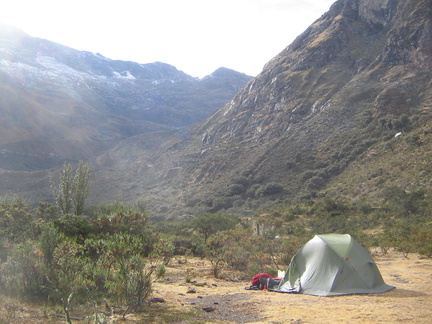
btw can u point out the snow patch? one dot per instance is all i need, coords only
(251, 86)
(315, 106)
(230, 107)
(125, 75)
(318, 107)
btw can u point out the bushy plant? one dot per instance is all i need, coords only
(130, 281)
(81, 259)
(131, 223)
(73, 226)
(210, 223)
(221, 203)
(315, 183)
(235, 189)
(49, 239)
(21, 275)
(16, 222)
(72, 189)
(240, 250)
(269, 190)
(46, 211)
(421, 237)
(66, 281)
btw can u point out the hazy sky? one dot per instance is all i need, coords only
(196, 36)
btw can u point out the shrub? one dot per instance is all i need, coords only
(273, 189)
(241, 180)
(22, 273)
(72, 189)
(48, 242)
(16, 222)
(235, 189)
(80, 260)
(46, 211)
(315, 183)
(221, 203)
(269, 190)
(421, 236)
(307, 175)
(211, 223)
(73, 226)
(238, 249)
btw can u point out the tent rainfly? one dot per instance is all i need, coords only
(330, 265)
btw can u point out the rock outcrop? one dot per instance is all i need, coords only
(354, 78)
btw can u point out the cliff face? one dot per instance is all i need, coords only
(349, 83)
(357, 45)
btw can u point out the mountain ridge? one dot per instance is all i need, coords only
(320, 119)
(343, 88)
(56, 95)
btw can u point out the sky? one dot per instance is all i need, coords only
(195, 36)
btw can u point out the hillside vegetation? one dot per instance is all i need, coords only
(108, 260)
(319, 121)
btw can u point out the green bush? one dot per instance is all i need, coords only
(242, 180)
(269, 190)
(73, 226)
(49, 239)
(315, 183)
(421, 236)
(16, 222)
(128, 282)
(46, 212)
(211, 223)
(22, 274)
(235, 189)
(72, 188)
(221, 203)
(80, 259)
(238, 249)
(307, 175)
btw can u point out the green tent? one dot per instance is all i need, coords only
(332, 264)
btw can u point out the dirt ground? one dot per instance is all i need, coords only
(410, 301)
(208, 300)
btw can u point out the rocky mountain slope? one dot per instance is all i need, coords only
(60, 104)
(323, 112)
(344, 110)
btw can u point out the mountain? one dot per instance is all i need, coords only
(345, 110)
(320, 119)
(58, 103)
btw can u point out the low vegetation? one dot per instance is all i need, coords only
(108, 256)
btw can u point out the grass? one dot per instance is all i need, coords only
(398, 161)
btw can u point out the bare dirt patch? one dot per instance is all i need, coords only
(208, 300)
(410, 301)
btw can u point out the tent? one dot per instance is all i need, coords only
(332, 264)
